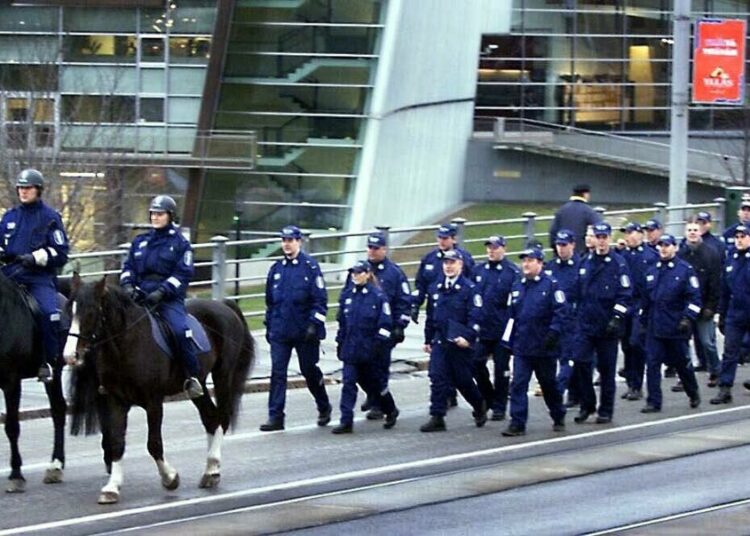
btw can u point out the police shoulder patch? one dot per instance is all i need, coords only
(559, 296)
(405, 287)
(428, 267)
(188, 258)
(386, 308)
(650, 277)
(625, 281)
(477, 300)
(58, 237)
(319, 282)
(694, 281)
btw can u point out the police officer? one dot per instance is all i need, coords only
(296, 306)
(743, 216)
(393, 282)
(734, 311)
(604, 296)
(538, 313)
(670, 304)
(452, 325)
(575, 215)
(157, 272)
(364, 334)
(653, 230)
(494, 280)
(34, 246)
(640, 259)
(564, 269)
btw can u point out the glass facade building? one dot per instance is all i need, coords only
(597, 64)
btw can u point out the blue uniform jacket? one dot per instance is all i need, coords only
(604, 291)
(364, 323)
(35, 229)
(494, 281)
(639, 260)
(537, 306)
(728, 236)
(431, 271)
(295, 298)
(672, 293)
(453, 312)
(394, 283)
(566, 275)
(734, 303)
(160, 258)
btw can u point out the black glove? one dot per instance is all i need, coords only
(6, 257)
(707, 314)
(397, 334)
(613, 327)
(415, 313)
(155, 297)
(132, 292)
(685, 327)
(311, 333)
(722, 324)
(26, 260)
(550, 341)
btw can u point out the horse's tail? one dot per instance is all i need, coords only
(245, 363)
(84, 387)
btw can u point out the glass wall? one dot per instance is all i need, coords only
(600, 64)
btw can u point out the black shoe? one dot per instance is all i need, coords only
(342, 429)
(513, 431)
(670, 372)
(435, 424)
(625, 395)
(497, 415)
(695, 401)
(746, 384)
(559, 426)
(366, 405)
(44, 374)
(713, 381)
(650, 409)
(603, 419)
(724, 396)
(452, 402)
(621, 373)
(582, 416)
(324, 416)
(271, 425)
(480, 415)
(374, 414)
(678, 388)
(635, 394)
(701, 368)
(390, 419)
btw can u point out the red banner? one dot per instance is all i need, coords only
(719, 61)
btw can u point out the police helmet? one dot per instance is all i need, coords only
(163, 203)
(30, 177)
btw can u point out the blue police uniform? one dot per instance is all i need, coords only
(453, 310)
(162, 259)
(430, 272)
(538, 317)
(36, 229)
(734, 311)
(365, 323)
(604, 296)
(295, 300)
(566, 275)
(727, 236)
(494, 281)
(670, 303)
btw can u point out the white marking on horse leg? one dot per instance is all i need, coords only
(115, 479)
(169, 477)
(71, 344)
(213, 463)
(54, 472)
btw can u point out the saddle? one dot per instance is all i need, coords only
(167, 341)
(36, 311)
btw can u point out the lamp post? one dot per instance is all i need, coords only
(237, 236)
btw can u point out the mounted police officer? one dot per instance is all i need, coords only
(494, 280)
(157, 272)
(575, 215)
(34, 246)
(364, 335)
(604, 296)
(296, 306)
(452, 326)
(670, 305)
(538, 311)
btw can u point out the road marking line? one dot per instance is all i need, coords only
(373, 471)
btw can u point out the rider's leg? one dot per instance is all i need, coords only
(175, 315)
(46, 296)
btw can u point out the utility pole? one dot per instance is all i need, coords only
(678, 143)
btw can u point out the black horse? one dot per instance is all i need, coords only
(21, 355)
(110, 338)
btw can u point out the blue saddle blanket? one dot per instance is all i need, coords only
(162, 334)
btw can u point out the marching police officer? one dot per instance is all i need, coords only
(743, 216)
(494, 280)
(670, 304)
(157, 272)
(452, 325)
(653, 230)
(734, 311)
(537, 318)
(364, 334)
(296, 306)
(604, 295)
(564, 269)
(34, 246)
(639, 259)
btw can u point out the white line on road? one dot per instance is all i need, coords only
(373, 471)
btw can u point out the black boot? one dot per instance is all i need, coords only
(272, 425)
(582, 416)
(342, 429)
(324, 416)
(375, 414)
(390, 419)
(45, 373)
(480, 414)
(435, 424)
(513, 431)
(724, 396)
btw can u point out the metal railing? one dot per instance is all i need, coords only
(336, 251)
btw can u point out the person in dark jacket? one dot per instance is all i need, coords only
(537, 319)
(707, 263)
(34, 246)
(703, 219)
(575, 215)
(364, 334)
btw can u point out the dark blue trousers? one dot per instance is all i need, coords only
(369, 377)
(544, 367)
(633, 347)
(497, 396)
(45, 294)
(174, 313)
(451, 366)
(605, 349)
(673, 353)
(734, 336)
(308, 354)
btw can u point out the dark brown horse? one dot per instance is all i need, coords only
(20, 357)
(111, 339)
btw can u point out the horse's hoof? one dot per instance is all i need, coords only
(16, 485)
(53, 475)
(108, 497)
(173, 484)
(210, 481)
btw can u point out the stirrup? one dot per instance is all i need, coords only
(45, 374)
(193, 388)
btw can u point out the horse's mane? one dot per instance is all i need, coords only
(10, 292)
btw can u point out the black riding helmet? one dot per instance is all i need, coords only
(163, 203)
(30, 177)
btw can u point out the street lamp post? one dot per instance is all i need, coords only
(237, 236)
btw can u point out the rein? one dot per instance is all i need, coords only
(93, 339)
